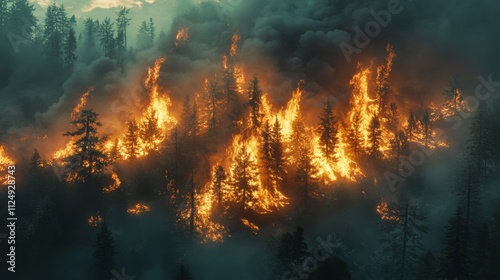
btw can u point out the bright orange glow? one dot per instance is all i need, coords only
(182, 36)
(95, 221)
(5, 160)
(267, 198)
(138, 209)
(234, 44)
(385, 213)
(79, 107)
(250, 225)
(115, 185)
(155, 117)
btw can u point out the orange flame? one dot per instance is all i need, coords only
(115, 185)
(138, 209)
(234, 45)
(83, 101)
(95, 221)
(182, 36)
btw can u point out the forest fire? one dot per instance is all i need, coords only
(179, 139)
(149, 132)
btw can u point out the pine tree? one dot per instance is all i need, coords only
(104, 253)
(114, 153)
(55, 33)
(277, 153)
(452, 97)
(479, 147)
(36, 161)
(306, 171)
(89, 158)
(453, 260)
(427, 128)
(150, 133)
(122, 22)
(291, 251)
(190, 120)
(218, 181)
(70, 49)
(426, 266)
(106, 35)
(412, 127)
(374, 137)
(255, 101)
(484, 256)
(403, 223)
(229, 83)
(393, 119)
(90, 32)
(19, 18)
(144, 37)
(212, 98)
(152, 30)
(328, 131)
(243, 176)
(131, 142)
(354, 136)
(400, 147)
(382, 89)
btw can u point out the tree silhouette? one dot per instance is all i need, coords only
(243, 177)
(453, 260)
(328, 131)
(131, 142)
(89, 158)
(104, 253)
(255, 101)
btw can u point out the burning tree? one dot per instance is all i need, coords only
(244, 173)
(255, 101)
(277, 155)
(453, 101)
(132, 140)
(212, 101)
(328, 131)
(89, 158)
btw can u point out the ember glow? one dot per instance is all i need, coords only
(182, 36)
(138, 209)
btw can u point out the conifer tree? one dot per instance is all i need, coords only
(375, 136)
(243, 177)
(89, 158)
(107, 37)
(328, 131)
(277, 153)
(104, 253)
(255, 101)
(403, 223)
(453, 260)
(132, 140)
